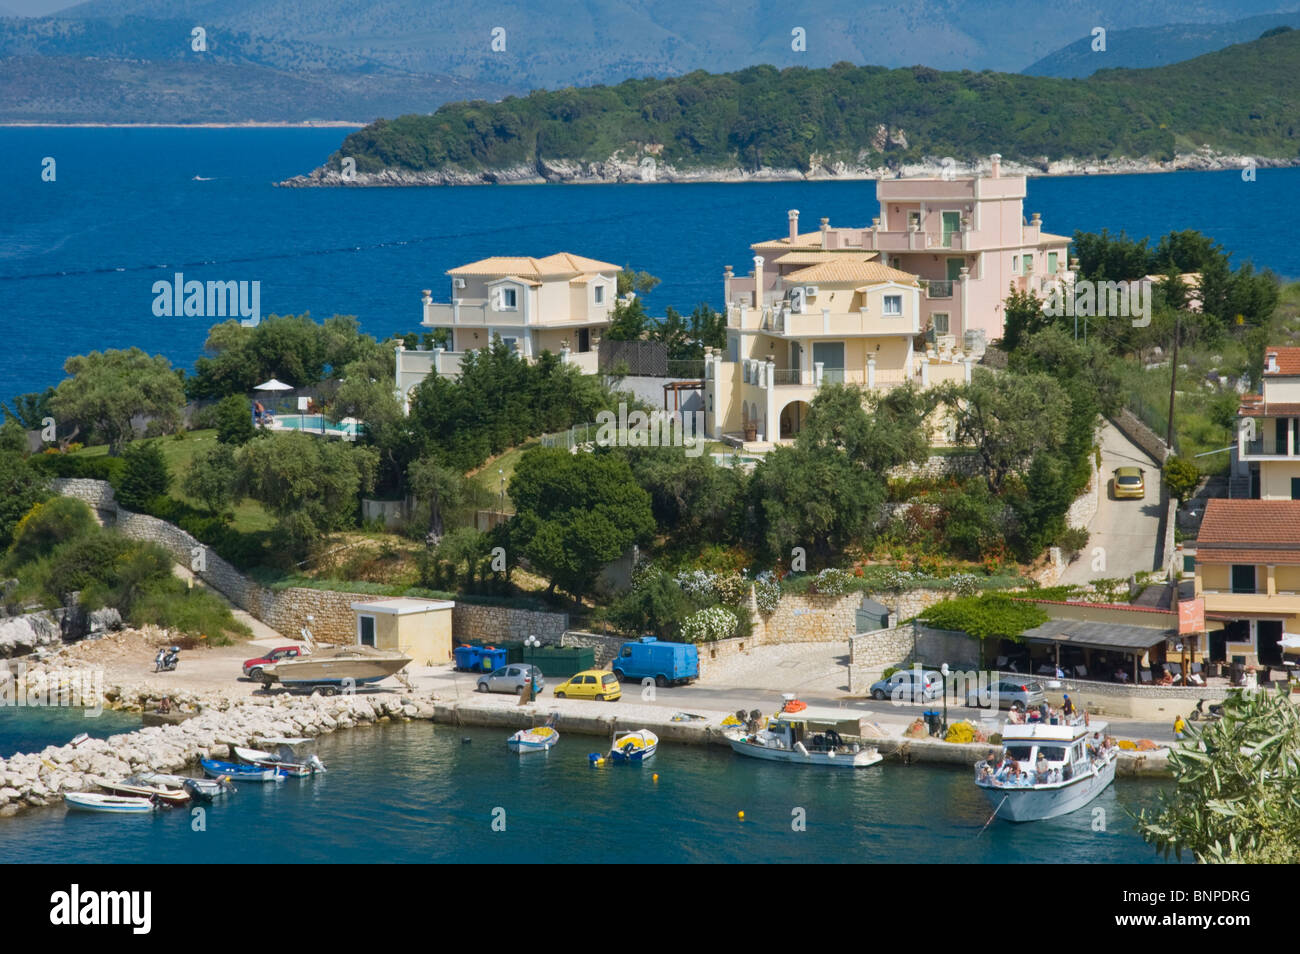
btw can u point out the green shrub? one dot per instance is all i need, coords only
(81, 466)
(196, 612)
(233, 418)
(49, 524)
(144, 476)
(83, 561)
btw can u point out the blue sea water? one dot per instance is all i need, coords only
(415, 792)
(79, 255)
(28, 729)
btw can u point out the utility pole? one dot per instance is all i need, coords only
(1173, 378)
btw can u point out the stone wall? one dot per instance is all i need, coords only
(1085, 506)
(870, 652)
(813, 618)
(938, 465)
(479, 623)
(1152, 443)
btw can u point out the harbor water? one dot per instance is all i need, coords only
(416, 792)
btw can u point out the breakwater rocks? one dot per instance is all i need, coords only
(622, 169)
(34, 779)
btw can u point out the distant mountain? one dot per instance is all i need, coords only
(847, 120)
(572, 42)
(1155, 46)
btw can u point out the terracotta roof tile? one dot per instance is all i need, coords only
(817, 256)
(561, 263)
(848, 271)
(1288, 361)
(1231, 528)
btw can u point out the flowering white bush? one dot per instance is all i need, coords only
(897, 580)
(833, 581)
(730, 589)
(964, 584)
(709, 625)
(767, 592)
(696, 583)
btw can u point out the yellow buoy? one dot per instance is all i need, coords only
(655, 777)
(740, 815)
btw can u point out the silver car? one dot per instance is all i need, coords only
(909, 685)
(511, 679)
(1019, 694)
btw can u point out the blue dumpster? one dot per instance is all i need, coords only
(492, 658)
(467, 657)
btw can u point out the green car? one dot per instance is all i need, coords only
(1129, 484)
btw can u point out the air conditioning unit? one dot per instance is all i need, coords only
(458, 283)
(810, 291)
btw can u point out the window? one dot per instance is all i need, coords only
(1015, 264)
(893, 304)
(1052, 258)
(1295, 488)
(1029, 264)
(1243, 578)
(509, 298)
(940, 319)
(951, 224)
(599, 292)
(366, 630)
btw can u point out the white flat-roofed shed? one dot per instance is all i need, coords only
(418, 627)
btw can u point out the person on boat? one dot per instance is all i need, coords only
(1041, 767)
(1044, 712)
(1015, 717)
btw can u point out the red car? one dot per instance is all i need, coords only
(253, 667)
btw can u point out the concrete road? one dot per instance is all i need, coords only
(1126, 531)
(706, 697)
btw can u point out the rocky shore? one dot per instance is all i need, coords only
(620, 169)
(30, 780)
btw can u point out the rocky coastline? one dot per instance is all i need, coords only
(646, 170)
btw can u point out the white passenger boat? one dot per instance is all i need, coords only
(103, 802)
(1076, 765)
(805, 738)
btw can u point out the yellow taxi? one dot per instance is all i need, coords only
(591, 684)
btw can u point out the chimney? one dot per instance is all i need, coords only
(727, 276)
(825, 230)
(758, 281)
(996, 171)
(794, 224)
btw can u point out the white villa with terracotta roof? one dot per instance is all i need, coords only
(560, 303)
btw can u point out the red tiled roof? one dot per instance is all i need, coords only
(1288, 361)
(1249, 531)
(1252, 405)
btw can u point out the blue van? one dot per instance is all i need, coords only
(665, 663)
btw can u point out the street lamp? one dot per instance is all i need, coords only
(943, 670)
(502, 506)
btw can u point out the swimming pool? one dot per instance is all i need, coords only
(348, 428)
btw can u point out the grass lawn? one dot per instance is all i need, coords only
(489, 480)
(250, 517)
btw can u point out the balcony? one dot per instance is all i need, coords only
(938, 289)
(468, 312)
(792, 325)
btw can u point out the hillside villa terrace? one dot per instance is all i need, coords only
(560, 303)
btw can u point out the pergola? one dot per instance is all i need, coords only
(1102, 637)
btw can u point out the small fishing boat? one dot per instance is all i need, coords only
(638, 746)
(803, 736)
(244, 773)
(539, 738)
(206, 789)
(103, 802)
(1047, 770)
(137, 789)
(292, 768)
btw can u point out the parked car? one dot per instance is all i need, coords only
(510, 678)
(909, 685)
(1011, 694)
(1129, 483)
(591, 684)
(253, 667)
(665, 663)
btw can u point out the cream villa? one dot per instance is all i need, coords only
(849, 304)
(559, 303)
(1267, 465)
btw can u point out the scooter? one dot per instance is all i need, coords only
(1199, 713)
(166, 659)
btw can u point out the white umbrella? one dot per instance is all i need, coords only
(1289, 641)
(273, 385)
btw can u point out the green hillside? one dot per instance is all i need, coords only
(1241, 100)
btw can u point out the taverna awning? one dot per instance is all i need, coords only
(1092, 635)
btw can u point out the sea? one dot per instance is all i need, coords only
(416, 792)
(91, 218)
